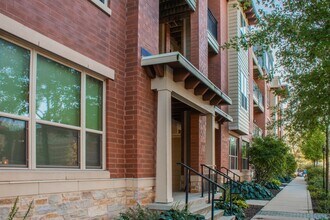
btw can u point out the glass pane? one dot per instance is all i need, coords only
(13, 142)
(58, 92)
(233, 162)
(57, 147)
(93, 150)
(94, 91)
(14, 78)
(233, 146)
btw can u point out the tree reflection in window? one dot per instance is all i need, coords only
(58, 92)
(14, 78)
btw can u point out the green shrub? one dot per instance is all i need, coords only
(236, 210)
(269, 157)
(285, 179)
(251, 190)
(241, 203)
(270, 185)
(177, 214)
(321, 202)
(141, 213)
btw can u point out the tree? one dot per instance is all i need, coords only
(312, 145)
(299, 33)
(268, 155)
(290, 164)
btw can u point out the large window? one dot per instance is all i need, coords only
(244, 90)
(245, 161)
(233, 153)
(51, 115)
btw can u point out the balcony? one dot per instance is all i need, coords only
(258, 99)
(212, 32)
(257, 132)
(263, 61)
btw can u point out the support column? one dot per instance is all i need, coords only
(164, 148)
(210, 140)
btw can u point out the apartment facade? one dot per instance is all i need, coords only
(100, 99)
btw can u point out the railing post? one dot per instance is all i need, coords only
(209, 185)
(230, 196)
(187, 186)
(212, 210)
(202, 180)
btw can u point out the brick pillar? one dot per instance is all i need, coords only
(199, 43)
(197, 147)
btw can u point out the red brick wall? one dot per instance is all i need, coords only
(83, 27)
(114, 41)
(197, 140)
(199, 44)
(147, 99)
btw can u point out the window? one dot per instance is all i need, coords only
(233, 153)
(104, 2)
(49, 112)
(243, 26)
(244, 90)
(245, 161)
(103, 5)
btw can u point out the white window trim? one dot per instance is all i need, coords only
(103, 6)
(32, 120)
(9, 25)
(244, 89)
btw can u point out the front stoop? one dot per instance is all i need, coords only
(196, 205)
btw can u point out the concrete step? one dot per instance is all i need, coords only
(232, 217)
(218, 214)
(202, 209)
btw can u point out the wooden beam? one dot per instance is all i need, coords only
(180, 75)
(209, 95)
(216, 100)
(150, 72)
(159, 70)
(191, 83)
(201, 89)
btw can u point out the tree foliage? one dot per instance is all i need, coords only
(312, 145)
(290, 165)
(269, 156)
(299, 33)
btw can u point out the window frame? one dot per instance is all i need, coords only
(246, 158)
(103, 6)
(233, 156)
(33, 121)
(244, 91)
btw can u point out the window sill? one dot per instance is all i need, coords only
(102, 6)
(43, 175)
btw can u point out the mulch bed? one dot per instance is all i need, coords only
(274, 191)
(252, 211)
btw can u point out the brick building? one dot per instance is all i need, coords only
(101, 98)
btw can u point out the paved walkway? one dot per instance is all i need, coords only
(293, 202)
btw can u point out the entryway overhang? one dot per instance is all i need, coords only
(221, 116)
(185, 71)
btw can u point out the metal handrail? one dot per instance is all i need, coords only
(214, 186)
(234, 174)
(218, 172)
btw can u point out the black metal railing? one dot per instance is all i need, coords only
(214, 186)
(212, 24)
(233, 174)
(225, 180)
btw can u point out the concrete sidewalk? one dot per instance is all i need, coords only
(293, 202)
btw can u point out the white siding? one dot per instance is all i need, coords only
(237, 61)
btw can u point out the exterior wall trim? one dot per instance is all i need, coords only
(24, 188)
(19, 30)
